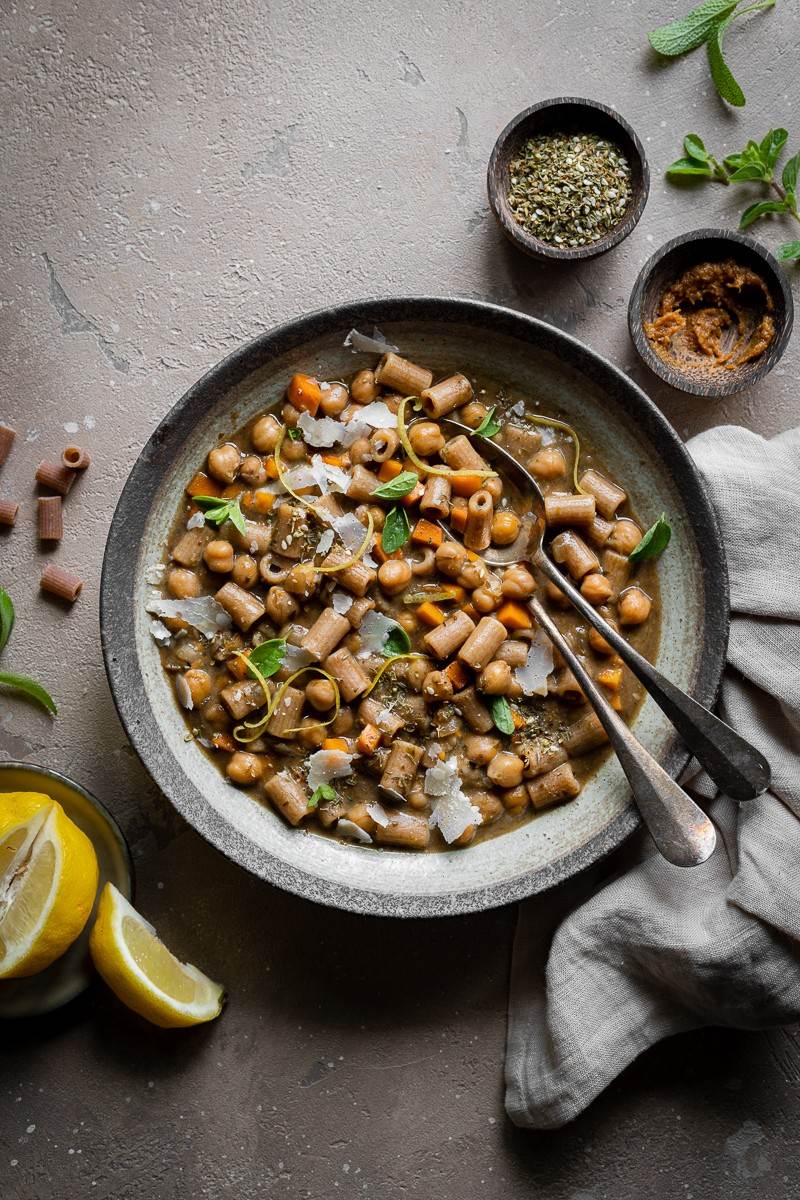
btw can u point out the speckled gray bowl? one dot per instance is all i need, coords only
(636, 441)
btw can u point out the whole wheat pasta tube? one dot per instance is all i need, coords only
(289, 796)
(563, 508)
(554, 788)
(256, 539)
(460, 455)
(513, 651)
(75, 459)
(328, 506)
(607, 494)
(188, 550)
(474, 712)
(599, 531)
(362, 484)
(435, 500)
(325, 634)
(356, 578)
(383, 442)
(400, 375)
(50, 519)
(478, 529)
(55, 476)
(242, 606)
(243, 697)
(61, 583)
(571, 550)
(540, 758)
(483, 643)
(372, 712)
(446, 395)
(287, 714)
(567, 687)
(585, 735)
(401, 767)
(617, 571)
(445, 639)
(348, 673)
(404, 829)
(8, 512)
(358, 610)
(7, 436)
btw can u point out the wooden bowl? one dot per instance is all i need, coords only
(677, 256)
(566, 114)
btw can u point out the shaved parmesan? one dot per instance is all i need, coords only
(386, 721)
(452, 812)
(548, 436)
(350, 531)
(518, 409)
(378, 814)
(373, 631)
(322, 431)
(295, 657)
(351, 830)
(377, 415)
(160, 631)
(325, 542)
(202, 612)
(325, 765)
(300, 477)
(362, 343)
(340, 601)
(196, 521)
(327, 473)
(532, 677)
(155, 573)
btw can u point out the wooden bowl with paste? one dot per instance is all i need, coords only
(711, 312)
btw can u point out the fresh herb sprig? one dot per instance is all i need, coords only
(398, 487)
(654, 541)
(396, 530)
(397, 642)
(489, 426)
(20, 683)
(323, 792)
(756, 163)
(218, 509)
(708, 23)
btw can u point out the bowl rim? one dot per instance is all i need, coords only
(118, 584)
(680, 380)
(535, 246)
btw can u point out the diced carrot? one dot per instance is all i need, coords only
(232, 489)
(514, 616)
(236, 666)
(368, 740)
(471, 611)
(458, 674)
(333, 460)
(378, 552)
(224, 741)
(304, 393)
(272, 468)
(430, 614)
(466, 485)
(202, 485)
(517, 718)
(262, 502)
(458, 519)
(414, 496)
(455, 592)
(335, 744)
(390, 470)
(425, 533)
(611, 678)
(615, 700)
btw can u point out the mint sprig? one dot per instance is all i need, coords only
(218, 509)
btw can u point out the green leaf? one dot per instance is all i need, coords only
(489, 426)
(788, 251)
(747, 173)
(721, 73)
(397, 642)
(396, 530)
(218, 510)
(771, 146)
(694, 147)
(689, 166)
(690, 31)
(502, 715)
(29, 687)
(398, 487)
(791, 170)
(323, 792)
(654, 542)
(6, 617)
(267, 657)
(293, 433)
(759, 210)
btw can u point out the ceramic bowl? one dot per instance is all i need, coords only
(637, 442)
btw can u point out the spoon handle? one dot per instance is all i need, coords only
(737, 768)
(679, 827)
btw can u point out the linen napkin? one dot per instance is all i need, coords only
(600, 975)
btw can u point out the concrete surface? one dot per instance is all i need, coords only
(178, 176)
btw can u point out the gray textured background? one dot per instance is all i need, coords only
(177, 177)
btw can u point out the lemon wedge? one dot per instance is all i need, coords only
(48, 882)
(143, 973)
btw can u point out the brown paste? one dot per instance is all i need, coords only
(714, 315)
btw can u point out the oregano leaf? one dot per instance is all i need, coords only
(771, 146)
(760, 209)
(689, 166)
(791, 170)
(789, 251)
(694, 147)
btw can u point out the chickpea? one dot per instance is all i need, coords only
(280, 606)
(302, 580)
(215, 713)
(363, 389)
(311, 733)
(189, 652)
(394, 575)
(426, 438)
(320, 694)
(199, 684)
(378, 515)
(450, 559)
(182, 583)
(472, 414)
(514, 690)
(473, 574)
(466, 837)
(360, 451)
(516, 800)
(264, 434)
(625, 536)
(633, 606)
(505, 527)
(495, 678)
(335, 400)
(597, 642)
(245, 769)
(253, 471)
(344, 723)
(416, 798)
(494, 486)
(505, 769)
(437, 686)
(245, 570)
(293, 451)
(488, 597)
(218, 556)
(489, 805)
(517, 583)
(481, 749)
(408, 621)
(596, 588)
(554, 596)
(415, 671)
(290, 416)
(223, 463)
(548, 463)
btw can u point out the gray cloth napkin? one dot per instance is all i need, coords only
(600, 975)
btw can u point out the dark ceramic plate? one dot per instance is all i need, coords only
(639, 446)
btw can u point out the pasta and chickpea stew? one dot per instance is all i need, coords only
(353, 667)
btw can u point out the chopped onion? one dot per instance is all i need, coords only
(362, 343)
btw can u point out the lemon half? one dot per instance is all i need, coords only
(48, 882)
(143, 973)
